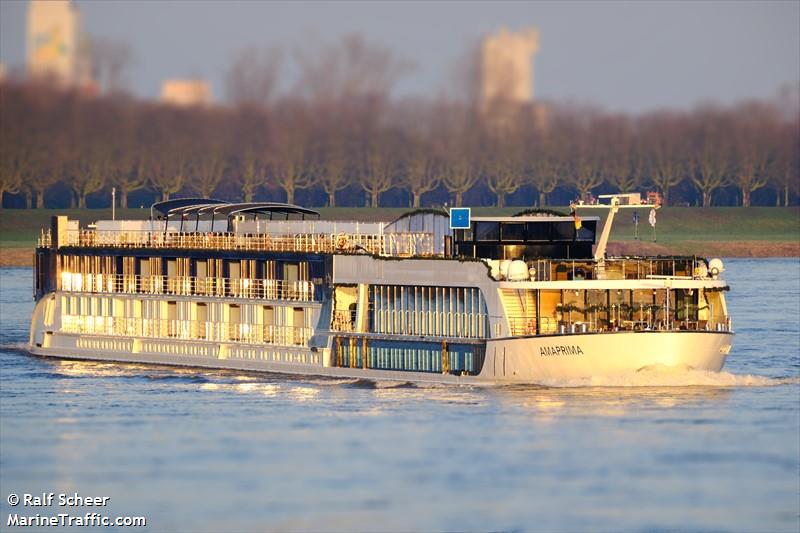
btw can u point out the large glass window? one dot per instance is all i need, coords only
(466, 250)
(537, 231)
(487, 231)
(586, 232)
(513, 232)
(563, 231)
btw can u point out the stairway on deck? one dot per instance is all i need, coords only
(520, 308)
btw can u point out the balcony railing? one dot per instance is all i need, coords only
(400, 244)
(186, 330)
(521, 326)
(610, 269)
(343, 320)
(265, 289)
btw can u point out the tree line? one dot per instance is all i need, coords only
(345, 142)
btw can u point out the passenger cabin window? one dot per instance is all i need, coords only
(269, 315)
(202, 268)
(172, 268)
(144, 267)
(291, 271)
(234, 270)
(202, 312)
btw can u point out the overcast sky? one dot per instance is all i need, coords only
(628, 56)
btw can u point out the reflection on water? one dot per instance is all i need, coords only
(609, 401)
(608, 396)
(211, 450)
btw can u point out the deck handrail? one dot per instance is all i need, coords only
(394, 244)
(255, 288)
(186, 330)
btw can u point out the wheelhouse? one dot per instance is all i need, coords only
(527, 238)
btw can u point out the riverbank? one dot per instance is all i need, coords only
(708, 232)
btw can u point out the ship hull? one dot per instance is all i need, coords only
(518, 360)
(530, 359)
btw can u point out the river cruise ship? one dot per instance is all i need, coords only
(430, 296)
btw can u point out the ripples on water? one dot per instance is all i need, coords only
(223, 450)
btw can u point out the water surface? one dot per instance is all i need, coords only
(196, 450)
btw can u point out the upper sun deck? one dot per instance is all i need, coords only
(202, 224)
(556, 246)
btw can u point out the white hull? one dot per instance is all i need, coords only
(529, 359)
(515, 360)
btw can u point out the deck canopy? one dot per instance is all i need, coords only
(190, 211)
(274, 210)
(169, 207)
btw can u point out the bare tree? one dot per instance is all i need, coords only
(752, 160)
(543, 166)
(332, 170)
(785, 168)
(421, 172)
(585, 177)
(459, 176)
(666, 153)
(349, 68)
(251, 174)
(712, 160)
(289, 167)
(621, 162)
(166, 167)
(378, 171)
(10, 172)
(504, 172)
(710, 173)
(459, 139)
(626, 172)
(88, 171)
(111, 59)
(207, 171)
(127, 170)
(253, 76)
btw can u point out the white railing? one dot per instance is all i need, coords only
(399, 244)
(633, 269)
(265, 289)
(186, 330)
(521, 326)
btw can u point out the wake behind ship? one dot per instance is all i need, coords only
(426, 297)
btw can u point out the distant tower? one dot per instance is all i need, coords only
(505, 67)
(56, 45)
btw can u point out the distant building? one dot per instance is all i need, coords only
(505, 67)
(57, 47)
(186, 92)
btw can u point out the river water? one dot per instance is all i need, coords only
(195, 450)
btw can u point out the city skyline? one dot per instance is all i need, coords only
(629, 57)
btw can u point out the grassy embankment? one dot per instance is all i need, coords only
(717, 231)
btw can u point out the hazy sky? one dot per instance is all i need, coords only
(622, 55)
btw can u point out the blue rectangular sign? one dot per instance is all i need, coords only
(460, 218)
